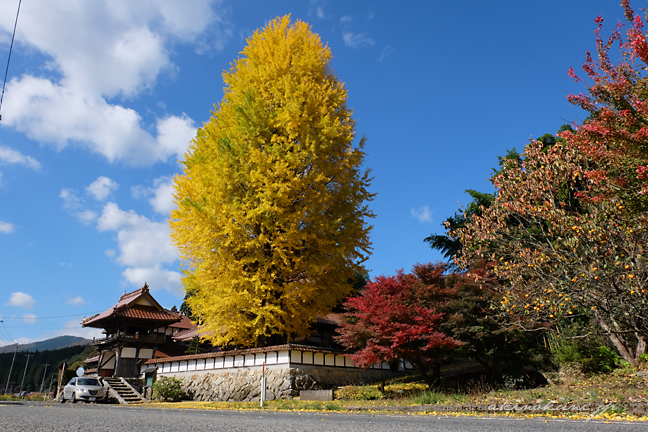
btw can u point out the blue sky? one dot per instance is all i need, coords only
(103, 98)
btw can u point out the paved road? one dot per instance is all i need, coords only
(37, 417)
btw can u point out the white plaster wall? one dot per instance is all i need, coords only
(129, 352)
(249, 360)
(145, 353)
(283, 357)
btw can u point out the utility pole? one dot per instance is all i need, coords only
(43, 382)
(49, 390)
(24, 373)
(11, 368)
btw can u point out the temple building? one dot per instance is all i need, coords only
(145, 341)
(136, 328)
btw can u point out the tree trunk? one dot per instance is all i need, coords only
(625, 351)
(431, 381)
(641, 346)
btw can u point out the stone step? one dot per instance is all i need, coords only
(125, 392)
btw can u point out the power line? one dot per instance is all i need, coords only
(54, 317)
(9, 59)
(6, 331)
(51, 327)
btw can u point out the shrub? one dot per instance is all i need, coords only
(359, 393)
(168, 388)
(594, 359)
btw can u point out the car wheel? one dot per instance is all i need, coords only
(73, 398)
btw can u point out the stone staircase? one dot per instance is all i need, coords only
(119, 389)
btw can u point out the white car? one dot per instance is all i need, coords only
(83, 388)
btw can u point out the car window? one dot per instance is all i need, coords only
(88, 381)
(72, 381)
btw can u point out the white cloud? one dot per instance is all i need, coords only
(346, 19)
(70, 198)
(423, 214)
(317, 8)
(11, 156)
(70, 328)
(22, 300)
(76, 301)
(161, 194)
(74, 203)
(6, 228)
(357, 40)
(162, 200)
(29, 318)
(23, 341)
(101, 188)
(73, 328)
(86, 216)
(98, 51)
(110, 253)
(155, 277)
(52, 113)
(386, 52)
(144, 245)
(175, 134)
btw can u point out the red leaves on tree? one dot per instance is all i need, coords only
(392, 319)
(617, 101)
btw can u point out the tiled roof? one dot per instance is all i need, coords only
(136, 311)
(92, 359)
(287, 347)
(167, 352)
(147, 312)
(187, 335)
(160, 354)
(331, 319)
(184, 323)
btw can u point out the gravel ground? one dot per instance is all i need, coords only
(37, 417)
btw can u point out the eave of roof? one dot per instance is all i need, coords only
(184, 323)
(125, 302)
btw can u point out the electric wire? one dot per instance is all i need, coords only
(87, 314)
(6, 331)
(9, 59)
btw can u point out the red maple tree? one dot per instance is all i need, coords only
(392, 319)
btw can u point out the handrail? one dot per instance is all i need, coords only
(152, 337)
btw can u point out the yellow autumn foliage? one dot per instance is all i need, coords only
(271, 218)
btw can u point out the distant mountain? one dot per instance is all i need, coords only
(49, 344)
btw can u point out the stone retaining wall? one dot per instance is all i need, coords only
(317, 377)
(238, 385)
(244, 384)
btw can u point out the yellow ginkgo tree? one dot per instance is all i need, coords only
(272, 209)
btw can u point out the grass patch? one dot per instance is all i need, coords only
(10, 397)
(430, 398)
